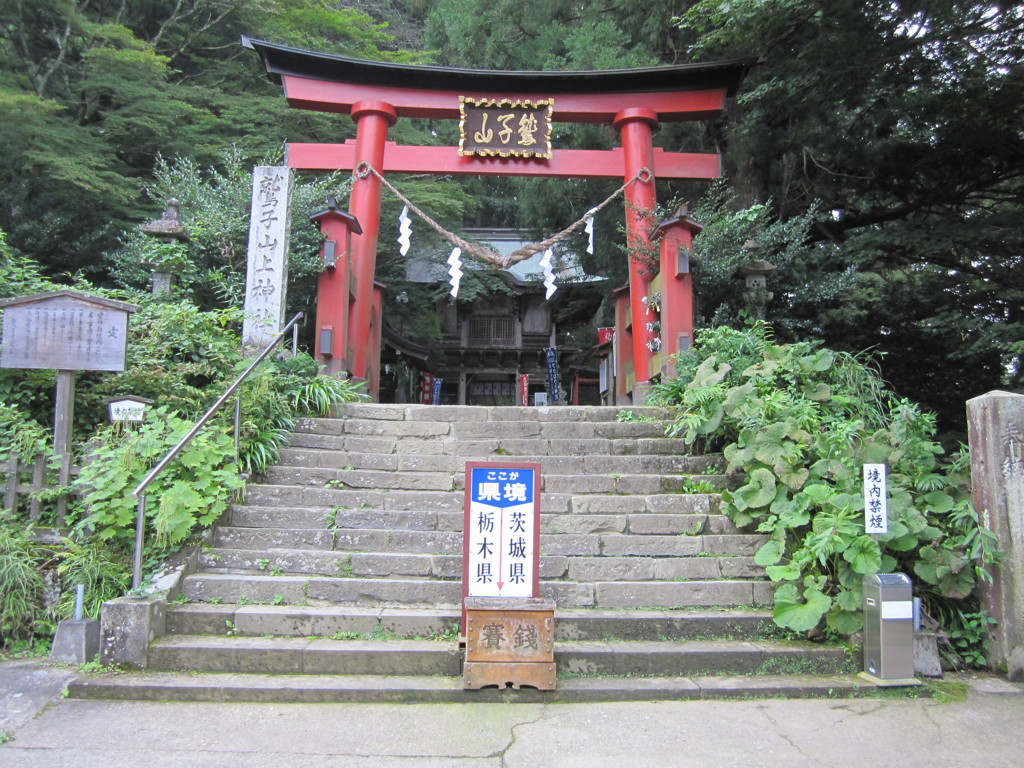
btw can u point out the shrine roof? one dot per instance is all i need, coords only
(284, 61)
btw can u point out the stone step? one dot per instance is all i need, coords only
(228, 687)
(387, 481)
(556, 465)
(390, 565)
(326, 518)
(319, 590)
(291, 497)
(499, 447)
(699, 657)
(310, 621)
(470, 430)
(320, 656)
(266, 495)
(451, 542)
(570, 624)
(302, 655)
(464, 413)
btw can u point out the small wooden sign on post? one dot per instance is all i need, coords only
(127, 408)
(509, 630)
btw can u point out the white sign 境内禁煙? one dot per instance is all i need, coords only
(127, 410)
(876, 510)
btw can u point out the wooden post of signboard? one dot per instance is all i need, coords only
(63, 419)
(509, 630)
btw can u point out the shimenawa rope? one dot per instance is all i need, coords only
(364, 169)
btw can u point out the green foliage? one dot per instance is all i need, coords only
(906, 162)
(177, 353)
(274, 395)
(967, 636)
(214, 206)
(698, 486)
(194, 489)
(105, 574)
(19, 276)
(629, 416)
(24, 437)
(318, 395)
(799, 421)
(22, 590)
(554, 34)
(93, 92)
(26, 440)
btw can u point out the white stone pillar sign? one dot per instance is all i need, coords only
(267, 265)
(501, 543)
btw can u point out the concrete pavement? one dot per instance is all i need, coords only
(46, 730)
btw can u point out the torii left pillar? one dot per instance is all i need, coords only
(636, 127)
(372, 118)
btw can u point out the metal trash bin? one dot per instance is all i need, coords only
(888, 626)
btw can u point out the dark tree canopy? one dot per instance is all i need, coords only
(91, 94)
(902, 125)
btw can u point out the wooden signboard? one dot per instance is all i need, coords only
(66, 331)
(505, 128)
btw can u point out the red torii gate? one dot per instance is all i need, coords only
(376, 94)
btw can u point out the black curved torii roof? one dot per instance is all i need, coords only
(281, 60)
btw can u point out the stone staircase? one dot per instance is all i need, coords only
(338, 577)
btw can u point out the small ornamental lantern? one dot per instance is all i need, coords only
(676, 237)
(171, 232)
(337, 227)
(127, 408)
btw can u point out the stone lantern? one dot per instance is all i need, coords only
(169, 230)
(755, 276)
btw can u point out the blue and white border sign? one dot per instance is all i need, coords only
(501, 540)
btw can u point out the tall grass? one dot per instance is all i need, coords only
(22, 589)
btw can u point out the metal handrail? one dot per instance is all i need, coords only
(138, 493)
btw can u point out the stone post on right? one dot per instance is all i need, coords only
(995, 423)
